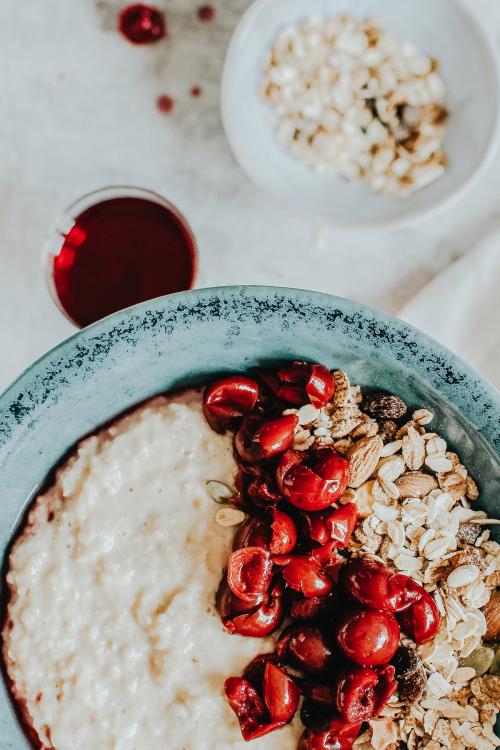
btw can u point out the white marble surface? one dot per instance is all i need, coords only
(77, 112)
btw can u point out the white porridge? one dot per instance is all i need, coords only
(114, 640)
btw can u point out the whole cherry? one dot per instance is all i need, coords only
(305, 647)
(368, 637)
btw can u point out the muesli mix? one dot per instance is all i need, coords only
(352, 99)
(358, 530)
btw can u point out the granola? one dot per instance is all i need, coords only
(419, 515)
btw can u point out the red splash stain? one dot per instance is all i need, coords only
(206, 12)
(165, 104)
(196, 91)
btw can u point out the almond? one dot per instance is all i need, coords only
(415, 484)
(491, 611)
(363, 456)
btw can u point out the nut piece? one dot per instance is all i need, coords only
(344, 420)
(487, 689)
(480, 660)
(415, 484)
(410, 674)
(342, 389)
(364, 499)
(385, 405)
(363, 456)
(469, 532)
(491, 611)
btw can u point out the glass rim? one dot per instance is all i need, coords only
(67, 218)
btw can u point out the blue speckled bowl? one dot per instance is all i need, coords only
(188, 337)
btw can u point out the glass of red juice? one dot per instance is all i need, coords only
(116, 247)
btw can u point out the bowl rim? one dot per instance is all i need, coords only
(454, 196)
(474, 380)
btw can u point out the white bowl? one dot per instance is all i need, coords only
(444, 29)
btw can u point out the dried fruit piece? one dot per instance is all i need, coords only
(415, 484)
(385, 405)
(491, 611)
(363, 458)
(410, 674)
(387, 430)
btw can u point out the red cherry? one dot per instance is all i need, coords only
(284, 533)
(276, 435)
(256, 622)
(361, 692)
(249, 574)
(306, 575)
(281, 693)
(422, 620)
(329, 559)
(303, 608)
(373, 584)
(321, 386)
(228, 399)
(341, 523)
(339, 735)
(253, 533)
(316, 483)
(243, 440)
(247, 705)
(355, 693)
(386, 687)
(305, 647)
(290, 393)
(368, 637)
(254, 672)
(315, 380)
(287, 460)
(313, 526)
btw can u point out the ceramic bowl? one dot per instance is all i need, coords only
(188, 337)
(444, 29)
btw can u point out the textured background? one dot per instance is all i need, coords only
(77, 112)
